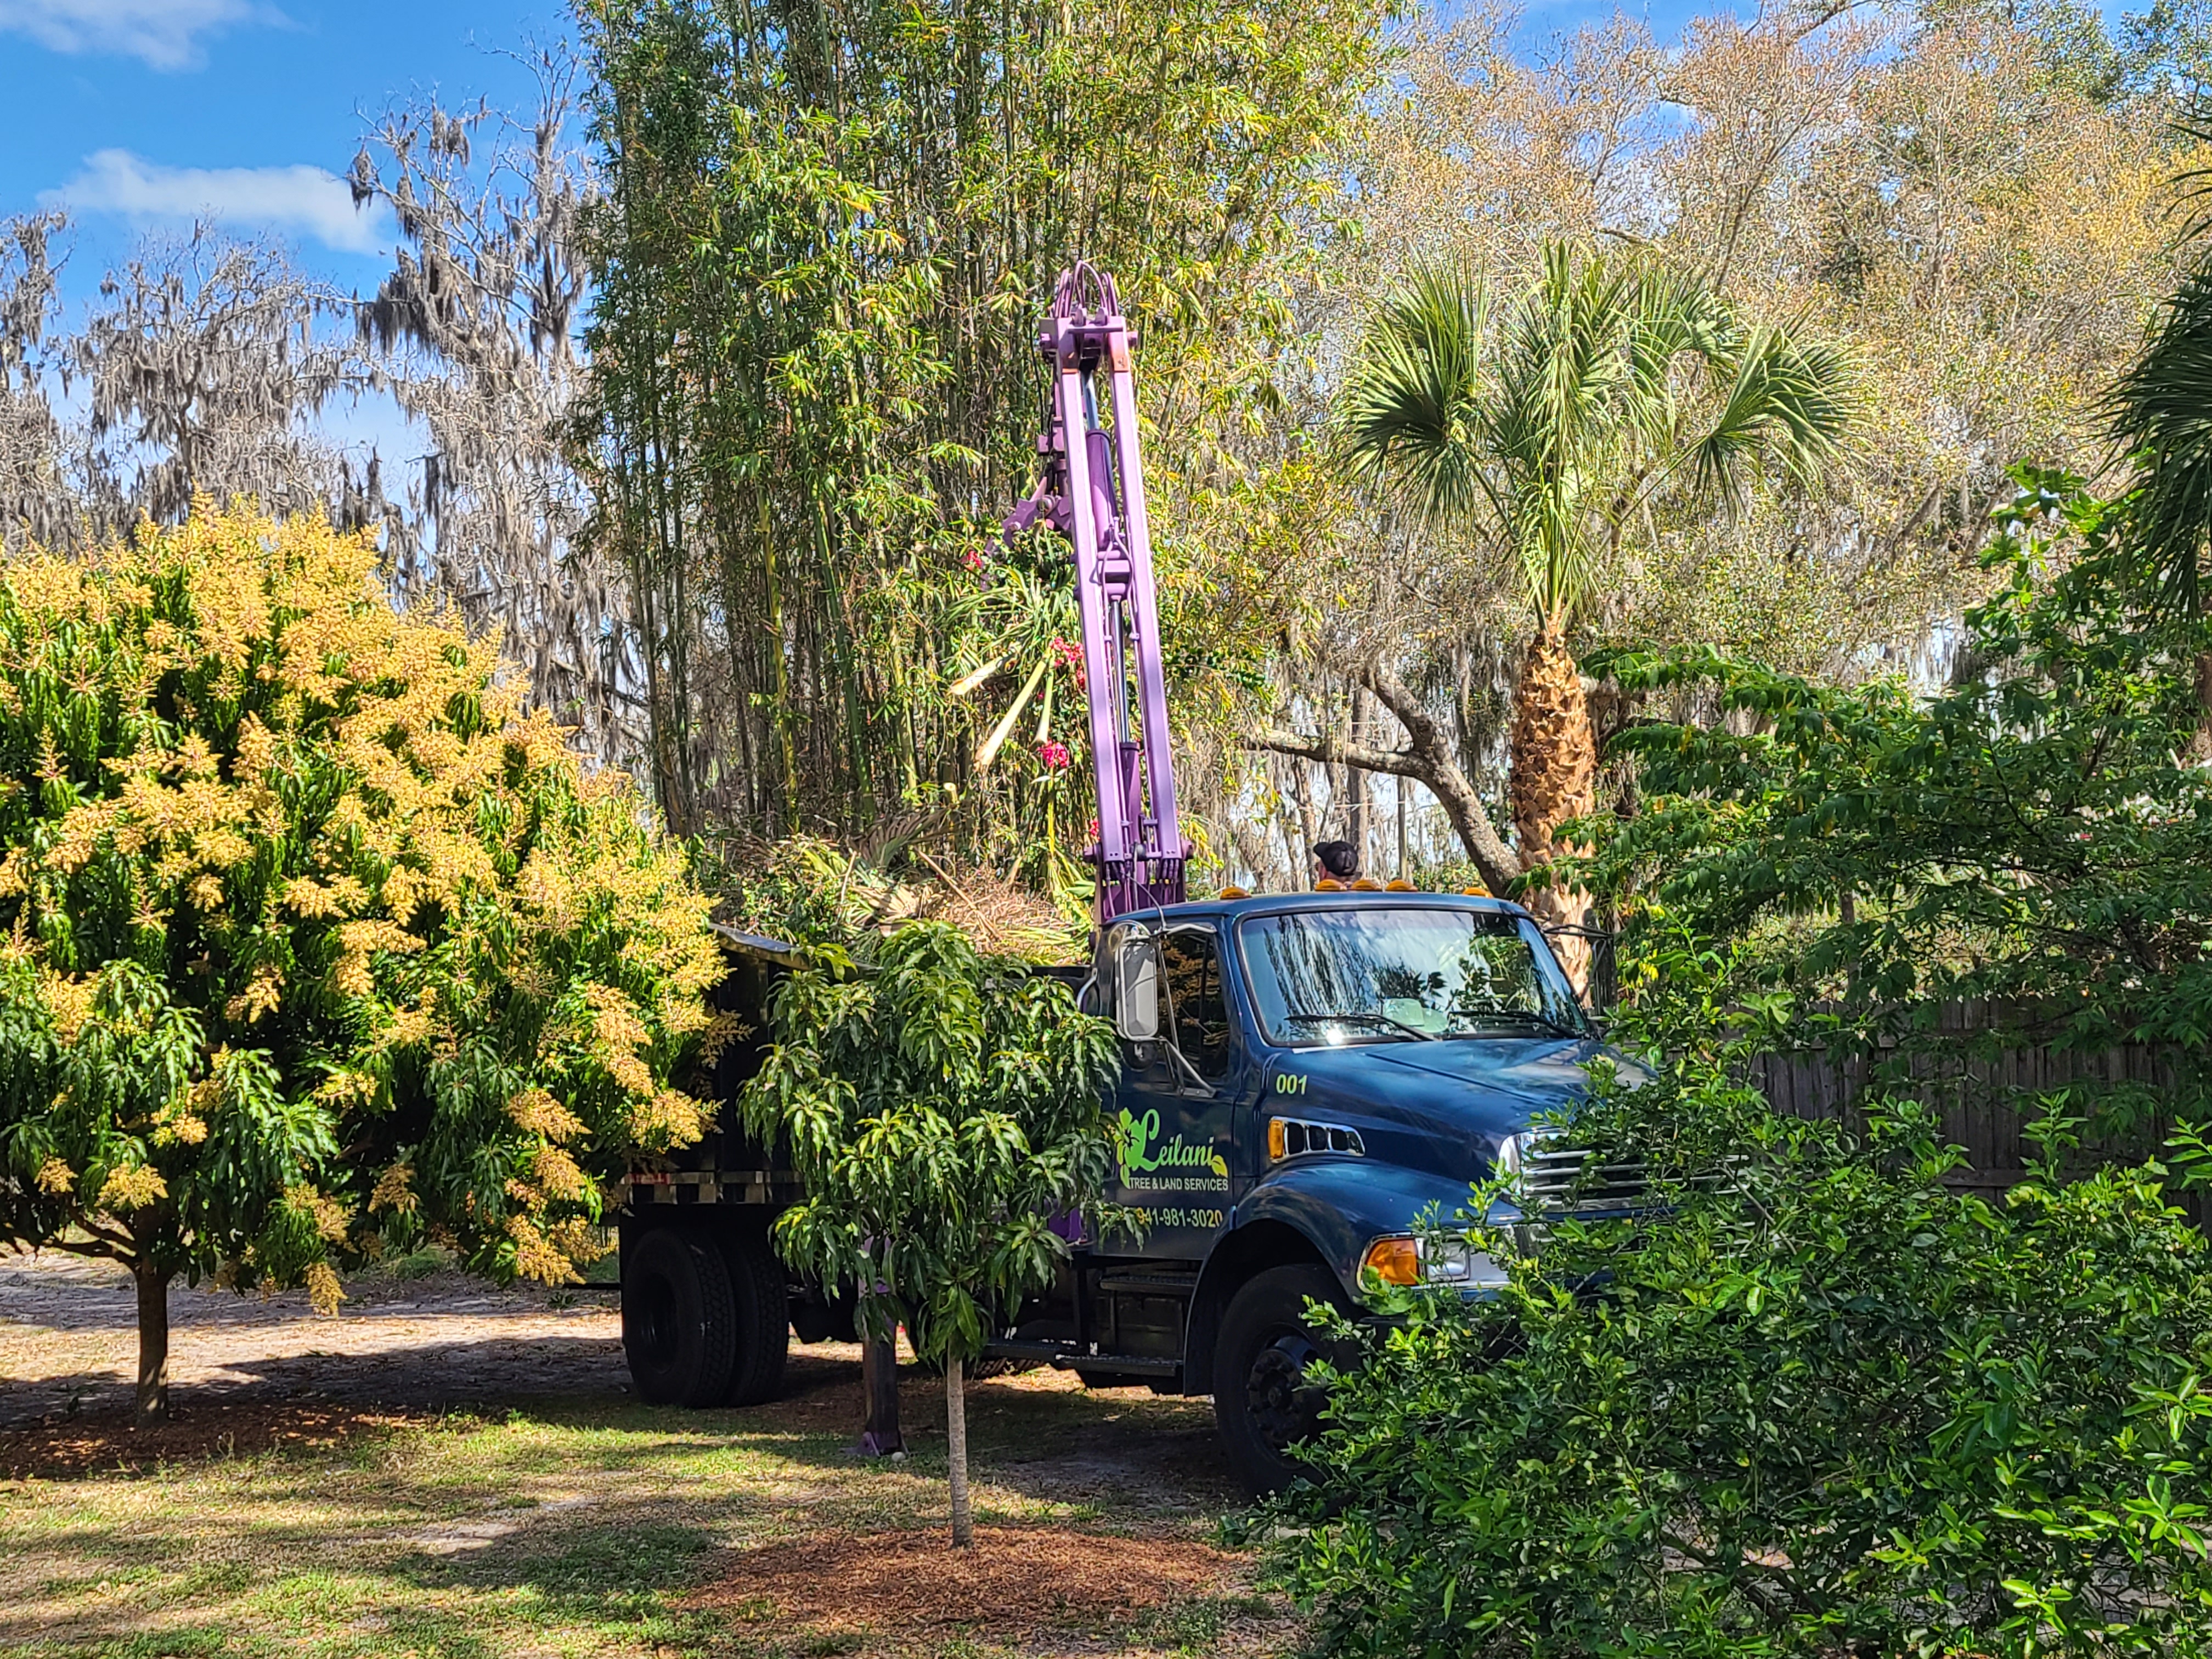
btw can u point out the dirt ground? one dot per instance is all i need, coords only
(447, 1470)
(69, 1336)
(1024, 1579)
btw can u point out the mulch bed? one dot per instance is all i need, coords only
(62, 1447)
(1013, 1581)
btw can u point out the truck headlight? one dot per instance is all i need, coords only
(1511, 1151)
(1402, 1259)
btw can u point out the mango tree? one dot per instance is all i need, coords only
(313, 943)
(945, 1113)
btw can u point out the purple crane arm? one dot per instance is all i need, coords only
(1093, 494)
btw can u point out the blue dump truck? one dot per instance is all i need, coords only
(1303, 1076)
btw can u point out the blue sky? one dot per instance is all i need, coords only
(140, 113)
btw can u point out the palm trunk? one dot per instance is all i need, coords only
(956, 1455)
(1554, 778)
(153, 1402)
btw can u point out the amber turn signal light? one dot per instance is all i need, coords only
(1395, 1261)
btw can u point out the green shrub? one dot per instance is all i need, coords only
(1846, 865)
(1817, 1403)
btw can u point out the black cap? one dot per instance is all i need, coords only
(1339, 857)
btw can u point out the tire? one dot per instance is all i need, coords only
(817, 1315)
(760, 1308)
(1261, 1403)
(677, 1322)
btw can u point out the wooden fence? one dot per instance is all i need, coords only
(1983, 1088)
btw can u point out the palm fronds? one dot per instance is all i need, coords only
(2161, 413)
(1546, 425)
(1788, 409)
(1413, 410)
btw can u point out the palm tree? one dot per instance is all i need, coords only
(1551, 427)
(2162, 414)
(2162, 411)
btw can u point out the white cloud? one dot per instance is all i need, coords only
(164, 34)
(303, 200)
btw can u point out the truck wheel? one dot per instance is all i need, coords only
(1261, 1399)
(760, 1308)
(677, 1322)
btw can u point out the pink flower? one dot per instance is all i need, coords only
(972, 558)
(1069, 655)
(1053, 754)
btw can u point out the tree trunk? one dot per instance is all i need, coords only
(1554, 778)
(1308, 826)
(879, 1378)
(1398, 798)
(956, 1455)
(1359, 808)
(153, 1403)
(2200, 749)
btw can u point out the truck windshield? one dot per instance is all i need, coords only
(1375, 973)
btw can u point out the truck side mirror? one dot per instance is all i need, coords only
(1137, 990)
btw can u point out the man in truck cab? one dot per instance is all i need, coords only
(1336, 864)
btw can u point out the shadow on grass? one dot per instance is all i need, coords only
(1038, 1441)
(173, 1642)
(420, 1531)
(1049, 1443)
(482, 1374)
(478, 1584)
(600, 1564)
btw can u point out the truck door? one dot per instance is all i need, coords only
(1177, 1102)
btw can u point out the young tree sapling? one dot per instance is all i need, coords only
(942, 1109)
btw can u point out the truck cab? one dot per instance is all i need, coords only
(1303, 1077)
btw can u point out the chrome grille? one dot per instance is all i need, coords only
(1554, 1182)
(1553, 1178)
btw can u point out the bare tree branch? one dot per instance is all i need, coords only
(99, 1244)
(1433, 746)
(1428, 760)
(204, 371)
(474, 329)
(1335, 751)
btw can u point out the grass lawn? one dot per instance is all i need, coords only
(285, 1523)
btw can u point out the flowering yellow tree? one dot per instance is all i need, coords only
(313, 944)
